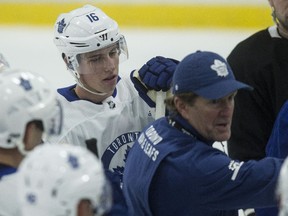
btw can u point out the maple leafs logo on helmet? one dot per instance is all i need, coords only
(31, 198)
(55, 187)
(73, 161)
(61, 26)
(25, 84)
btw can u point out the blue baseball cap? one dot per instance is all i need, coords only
(206, 74)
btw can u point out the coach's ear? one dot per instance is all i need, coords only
(182, 107)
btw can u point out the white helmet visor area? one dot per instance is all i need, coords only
(123, 49)
(98, 58)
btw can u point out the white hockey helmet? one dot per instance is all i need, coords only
(282, 189)
(54, 178)
(3, 63)
(26, 97)
(84, 30)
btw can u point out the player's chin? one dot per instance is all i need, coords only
(109, 89)
(222, 135)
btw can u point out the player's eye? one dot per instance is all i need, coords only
(114, 52)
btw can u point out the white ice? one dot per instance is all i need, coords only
(32, 48)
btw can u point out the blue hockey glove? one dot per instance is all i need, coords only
(157, 73)
(154, 76)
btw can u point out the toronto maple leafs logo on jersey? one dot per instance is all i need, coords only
(120, 169)
(120, 146)
(25, 84)
(220, 68)
(61, 25)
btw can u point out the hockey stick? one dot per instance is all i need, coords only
(160, 105)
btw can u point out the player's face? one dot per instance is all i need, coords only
(281, 10)
(211, 118)
(99, 69)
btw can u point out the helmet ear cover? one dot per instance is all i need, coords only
(70, 66)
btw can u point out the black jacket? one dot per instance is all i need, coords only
(262, 62)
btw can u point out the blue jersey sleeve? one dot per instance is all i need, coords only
(277, 145)
(257, 180)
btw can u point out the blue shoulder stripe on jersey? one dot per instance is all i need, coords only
(71, 96)
(6, 170)
(68, 93)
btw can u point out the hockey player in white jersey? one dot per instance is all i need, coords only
(102, 105)
(29, 110)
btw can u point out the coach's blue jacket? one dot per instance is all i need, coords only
(172, 170)
(277, 146)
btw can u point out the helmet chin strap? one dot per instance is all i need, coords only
(77, 77)
(92, 92)
(21, 147)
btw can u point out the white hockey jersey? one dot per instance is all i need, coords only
(108, 129)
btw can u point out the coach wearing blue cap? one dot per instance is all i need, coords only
(172, 169)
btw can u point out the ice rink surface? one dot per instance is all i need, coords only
(32, 48)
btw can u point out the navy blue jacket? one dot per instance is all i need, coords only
(277, 146)
(172, 170)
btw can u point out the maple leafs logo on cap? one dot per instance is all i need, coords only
(220, 67)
